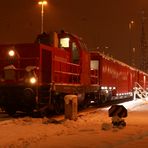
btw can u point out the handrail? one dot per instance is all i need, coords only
(140, 92)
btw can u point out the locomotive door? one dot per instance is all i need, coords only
(46, 63)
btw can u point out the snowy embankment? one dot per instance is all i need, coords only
(86, 132)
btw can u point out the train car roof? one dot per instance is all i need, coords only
(115, 60)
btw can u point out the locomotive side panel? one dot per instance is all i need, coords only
(60, 66)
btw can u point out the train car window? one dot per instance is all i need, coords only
(64, 42)
(75, 53)
(94, 64)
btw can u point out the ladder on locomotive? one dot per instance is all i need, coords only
(140, 92)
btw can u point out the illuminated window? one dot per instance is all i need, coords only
(64, 42)
(94, 64)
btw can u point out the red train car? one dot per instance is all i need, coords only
(114, 77)
(117, 78)
(37, 76)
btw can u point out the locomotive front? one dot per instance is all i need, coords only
(18, 78)
(37, 76)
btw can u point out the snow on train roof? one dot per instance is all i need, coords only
(117, 61)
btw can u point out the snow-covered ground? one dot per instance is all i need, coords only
(91, 130)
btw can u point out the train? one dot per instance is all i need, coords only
(37, 76)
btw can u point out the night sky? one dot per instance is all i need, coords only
(99, 22)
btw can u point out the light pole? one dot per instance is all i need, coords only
(42, 3)
(130, 24)
(131, 50)
(134, 56)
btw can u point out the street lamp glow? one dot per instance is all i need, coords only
(131, 23)
(42, 3)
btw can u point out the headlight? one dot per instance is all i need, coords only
(11, 53)
(33, 80)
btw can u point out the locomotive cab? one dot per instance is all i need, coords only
(73, 44)
(78, 54)
(34, 76)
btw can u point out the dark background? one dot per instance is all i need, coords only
(101, 23)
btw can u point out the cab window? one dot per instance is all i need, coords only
(75, 53)
(64, 42)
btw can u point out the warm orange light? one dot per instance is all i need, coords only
(42, 2)
(132, 22)
(33, 80)
(11, 53)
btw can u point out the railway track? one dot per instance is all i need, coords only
(92, 108)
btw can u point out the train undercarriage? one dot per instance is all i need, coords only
(44, 100)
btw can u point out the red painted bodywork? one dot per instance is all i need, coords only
(54, 66)
(113, 73)
(59, 73)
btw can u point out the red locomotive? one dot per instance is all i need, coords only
(37, 76)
